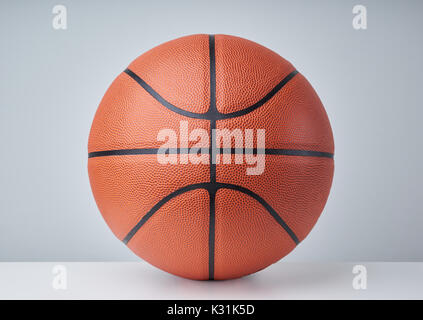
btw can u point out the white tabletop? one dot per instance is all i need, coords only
(283, 280)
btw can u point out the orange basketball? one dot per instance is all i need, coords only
(199, 212)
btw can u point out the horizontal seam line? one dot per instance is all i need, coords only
(269, 151)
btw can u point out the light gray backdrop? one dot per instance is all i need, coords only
(369, 81)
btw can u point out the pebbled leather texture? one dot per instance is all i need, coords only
(206, 233)
(245, 72)
(179, 71)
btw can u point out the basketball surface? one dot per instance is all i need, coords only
(210, 220)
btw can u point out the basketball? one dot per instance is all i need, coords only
(211, 157)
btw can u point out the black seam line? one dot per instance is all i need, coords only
(283, 152)
(211, 152)
(266, 98)
(158, 205)
(212, 108)
(212, 227)
(212, 188)
(211, 114)
(160, 99)
(267, 206)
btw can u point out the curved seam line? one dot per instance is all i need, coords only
(267, 206)
(211, 187)
(158, 205)
(207, 115)
(261, 102)
(161, 100)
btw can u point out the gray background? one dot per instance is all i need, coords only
(369, 81)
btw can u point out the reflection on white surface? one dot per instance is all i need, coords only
(127, 280)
